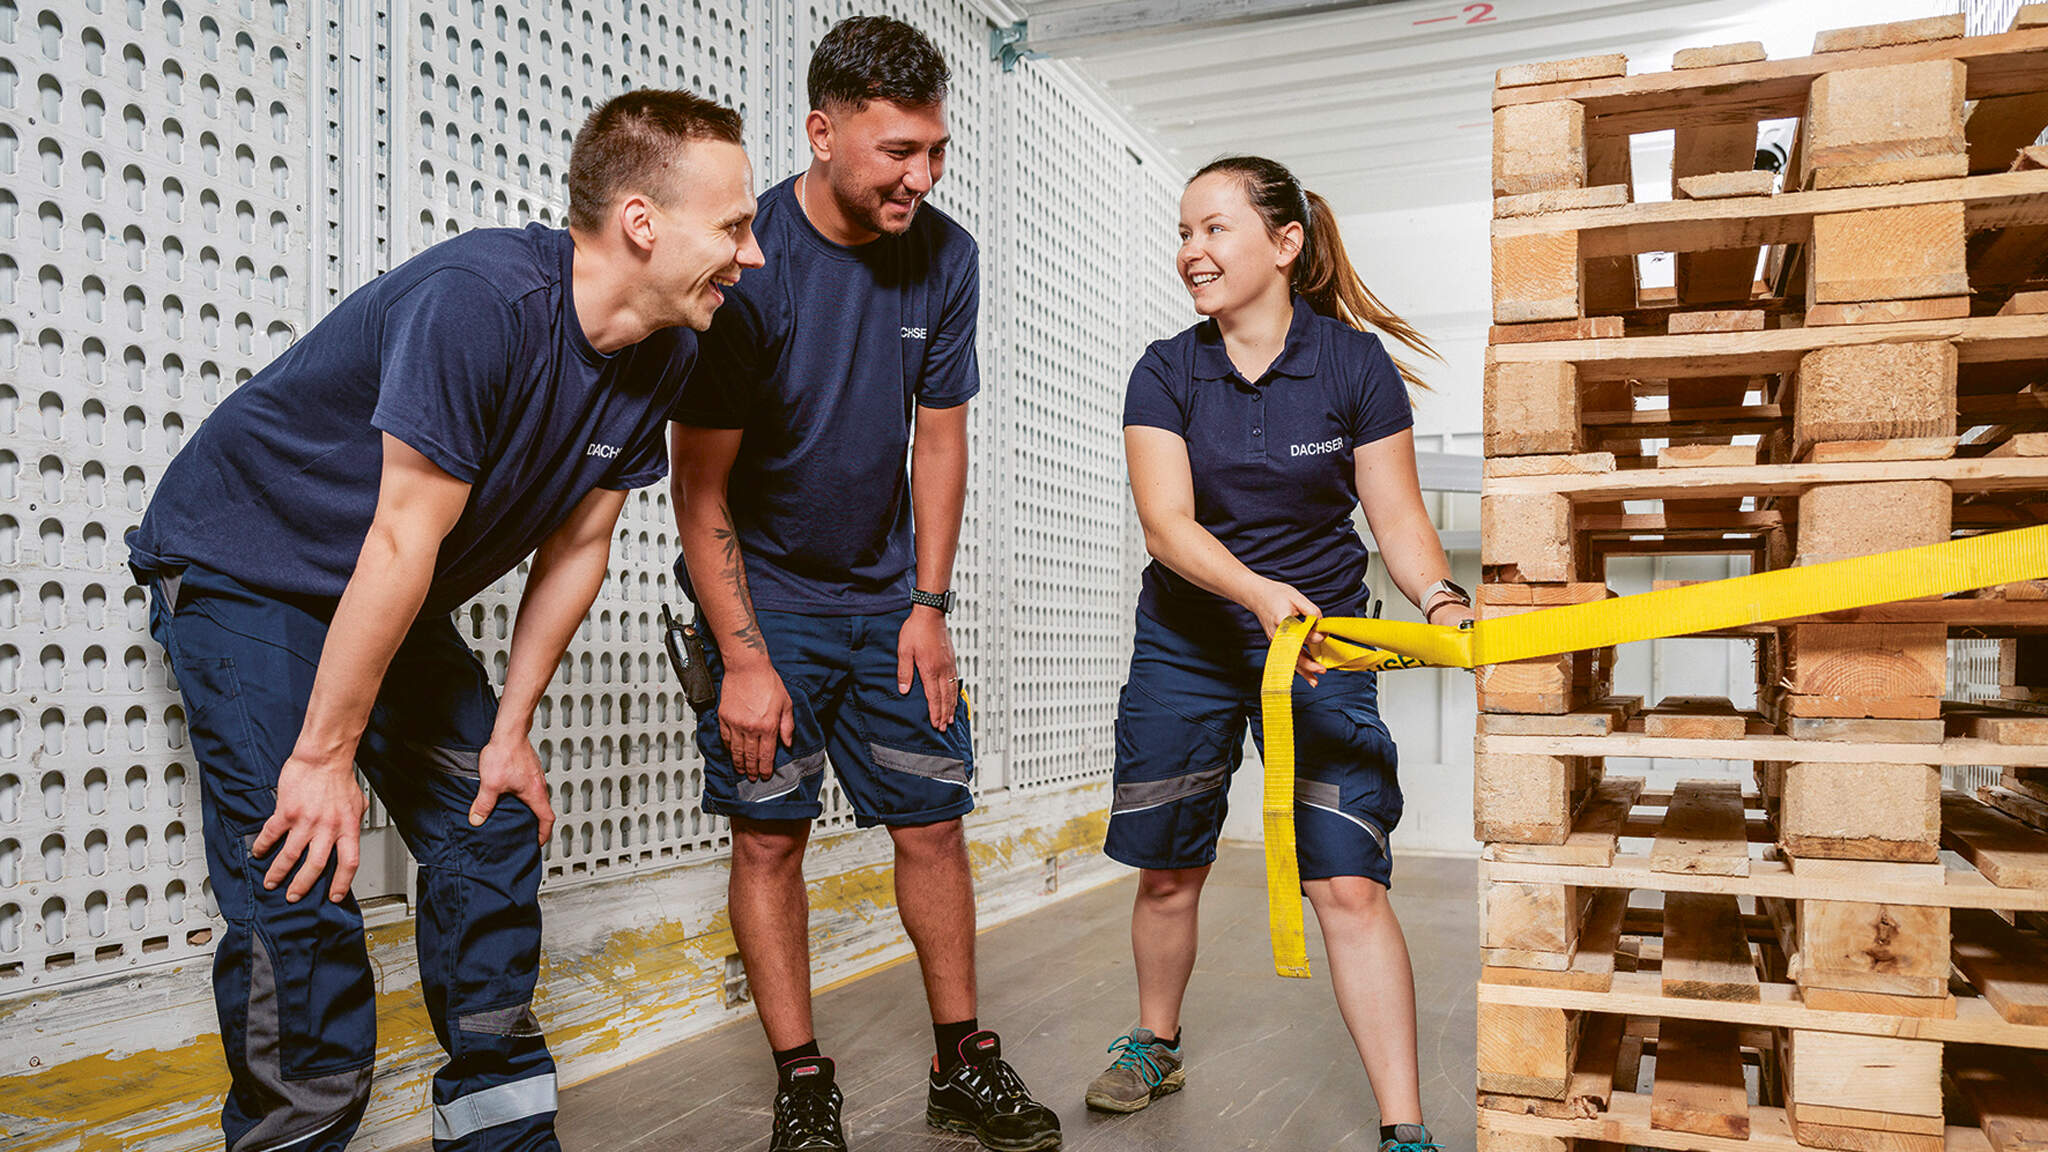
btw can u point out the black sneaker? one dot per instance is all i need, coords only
(983, 1097)
(807, 1109)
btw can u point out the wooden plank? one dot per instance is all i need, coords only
(1888, 311)
(1703, 831)
(1775, 878)
(1978, 339)
(1694, 718)
(1995, 200)
(1774, 89)
(1562, 71)
(1998, 725)
(2012, 474)
(1560, 200)
(1640, 994)
(2018, 805)
(1745, 52)
(1585, 328)
(1627, 1122)
(2003, 1088)
(1706, 951)
(1706, 455)
(1998, 128)
(1893, 448)
(1724, 185)
(1698, 1086)
(2005, 851)
(1592, 1080)
(2008, 967)
(1884, 35)
(1773, 747)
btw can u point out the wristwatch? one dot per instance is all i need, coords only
(943, 601)
(1442, 592)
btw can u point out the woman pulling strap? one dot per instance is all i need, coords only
(1251, 438)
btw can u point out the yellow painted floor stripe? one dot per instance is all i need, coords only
(1359, 644)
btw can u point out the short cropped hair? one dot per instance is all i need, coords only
(629, 145)
(868, 58)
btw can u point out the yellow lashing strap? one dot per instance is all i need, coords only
(1360, 644)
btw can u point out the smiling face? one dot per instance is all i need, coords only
(705, 235)
(1227, 257)
(881, 161)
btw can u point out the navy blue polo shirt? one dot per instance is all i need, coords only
(472, 354)
(1271, 460)
(822, 356)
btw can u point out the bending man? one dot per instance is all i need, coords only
(495, 396)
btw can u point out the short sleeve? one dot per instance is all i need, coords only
(952, 371)
(648, 464)
(1383, 407)
(445, 361)
(1149, 399)
(721, 384)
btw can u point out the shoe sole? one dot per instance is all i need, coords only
(1174, 1081)
(949, 1122)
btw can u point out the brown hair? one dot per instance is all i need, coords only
(629, 145)
(1322, 274)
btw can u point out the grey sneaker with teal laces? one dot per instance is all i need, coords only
(1410, 1138)
(1145, 1069)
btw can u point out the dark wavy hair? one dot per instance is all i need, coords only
(866, 58)
(1322, 273)
(630, 144)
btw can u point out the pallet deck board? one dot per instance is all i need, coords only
(2008, 967)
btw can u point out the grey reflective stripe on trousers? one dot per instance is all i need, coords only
(517, 1020)
(1142, 794)
(306, 1107)
(944, 768)
(1324, 795)
(454, 761)
(786, 778)
(490, 1107)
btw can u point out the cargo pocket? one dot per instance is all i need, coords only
(1171, 786)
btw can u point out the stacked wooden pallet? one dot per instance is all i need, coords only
(1852, 358)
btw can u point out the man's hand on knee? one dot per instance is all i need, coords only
(319, 814)
(508, 766)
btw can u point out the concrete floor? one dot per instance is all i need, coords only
(1270, 1065)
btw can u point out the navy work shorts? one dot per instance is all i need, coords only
(1180, 727)
(894, 767)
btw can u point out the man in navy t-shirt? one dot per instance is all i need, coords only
(494, 397)
(824, 575)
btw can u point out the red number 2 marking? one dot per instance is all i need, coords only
(1479, 13)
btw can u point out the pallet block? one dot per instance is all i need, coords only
(1901, 253)
(1523, 799)
(1536, 278)
(1530, 534)
(1849, 671)
(1539, 148)
(1890, 949)
(1860, 118)
(1531, 409)
(1526, 1051)
(1875, 392)
(1529, 925)
(1840, 521)
(1837, 811)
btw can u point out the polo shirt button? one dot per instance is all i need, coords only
(1258, 431)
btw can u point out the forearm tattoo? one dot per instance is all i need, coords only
(749, 631)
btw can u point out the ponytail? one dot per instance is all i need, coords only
(1322, 273)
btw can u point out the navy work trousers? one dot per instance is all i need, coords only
(292, 981)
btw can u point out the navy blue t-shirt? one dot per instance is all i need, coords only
(1271, 459)
(470, 352)
(821, 358)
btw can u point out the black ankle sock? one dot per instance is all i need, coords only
(1387, 1131)
(947, 1037)
(1173, 1043)
(785, 1055)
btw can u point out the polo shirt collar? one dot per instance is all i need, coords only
(1298, 356)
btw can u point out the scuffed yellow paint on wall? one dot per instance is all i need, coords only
(591, 1000)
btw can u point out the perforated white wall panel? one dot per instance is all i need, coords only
(186, 185)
